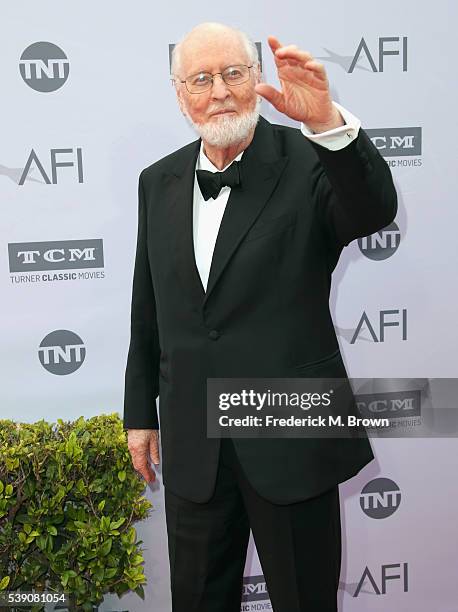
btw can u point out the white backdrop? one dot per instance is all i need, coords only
(112, 112)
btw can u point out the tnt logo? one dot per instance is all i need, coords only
(380, 498)
(44, 66)
(61, 352)
(382, 244)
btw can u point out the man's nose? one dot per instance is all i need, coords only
(220, 90)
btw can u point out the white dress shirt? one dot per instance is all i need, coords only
(207, 215)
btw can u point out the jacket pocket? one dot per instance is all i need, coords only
(271, 226)
(316, 362)
(163, 362)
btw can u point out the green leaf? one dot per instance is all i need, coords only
(122, 475)
(4, 582)
(52, 530)
(118, 523)
(136, 559)
(101, 504)
(106, 547)
(110, 572)
(105, 523)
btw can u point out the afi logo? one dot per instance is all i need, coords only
(380, 498)
(387, 45)
(377, 329)
(375, 54)
(44, 66)
(61, 352)
(379, 585)
(59, 158)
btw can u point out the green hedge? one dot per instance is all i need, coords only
(69, 497)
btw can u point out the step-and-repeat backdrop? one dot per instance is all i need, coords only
(87, 103)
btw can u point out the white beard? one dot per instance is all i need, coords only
(227, 130)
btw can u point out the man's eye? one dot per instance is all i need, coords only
(233, 73)
(200, 79)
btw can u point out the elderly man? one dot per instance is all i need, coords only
(238, 235)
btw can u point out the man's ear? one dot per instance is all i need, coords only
(180, 99)
(258, 73)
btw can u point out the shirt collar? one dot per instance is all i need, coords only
(203, 163)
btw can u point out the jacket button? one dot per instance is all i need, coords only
(214, 334)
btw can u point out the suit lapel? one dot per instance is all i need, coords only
(261, 168)
(178, 199)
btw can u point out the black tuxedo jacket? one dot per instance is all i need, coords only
(265, 312)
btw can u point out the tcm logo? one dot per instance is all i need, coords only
(49, 169)
(397, 142)
(44, 66)
(55, 255)
(254, 589)
(380, 498)
(382, 244)
(393, 577)
(374, 53)
(391, 404)
(61, 352)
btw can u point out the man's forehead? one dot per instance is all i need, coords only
(212, 53)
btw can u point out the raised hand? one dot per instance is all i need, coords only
(305, 92)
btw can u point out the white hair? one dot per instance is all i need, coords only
(248, 45)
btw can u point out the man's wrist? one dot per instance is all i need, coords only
(339, 137)
(336, 122)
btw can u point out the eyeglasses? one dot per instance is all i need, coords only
(203, 81)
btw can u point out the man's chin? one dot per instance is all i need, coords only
(226, 129)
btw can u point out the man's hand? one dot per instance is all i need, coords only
(143, 444)
(305, 92)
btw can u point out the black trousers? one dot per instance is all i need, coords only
(299, 545)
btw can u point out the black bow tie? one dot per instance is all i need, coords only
(210, 183)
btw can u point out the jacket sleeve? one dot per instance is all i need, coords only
(142, 371)
(355, 191)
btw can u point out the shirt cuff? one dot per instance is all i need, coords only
(339, 137)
